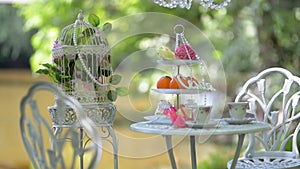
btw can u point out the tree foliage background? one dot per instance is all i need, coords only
(249, 35)
(15, 47)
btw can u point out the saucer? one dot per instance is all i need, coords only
(237, 121)
(210, 124)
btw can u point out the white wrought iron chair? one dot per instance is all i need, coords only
(273, 97)
(48, 150)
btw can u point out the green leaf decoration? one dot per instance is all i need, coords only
(53, 78)
(56, 60)
(94, 20)
(43, 71)
(115, 79)
(54, 69)
(112, 95)
(122, 91)
(107, 28)
(57, 76)
(47, 65)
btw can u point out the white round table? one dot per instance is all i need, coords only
(222, 128)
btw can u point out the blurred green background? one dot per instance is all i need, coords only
(248, 36)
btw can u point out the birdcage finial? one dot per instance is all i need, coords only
(80, 15)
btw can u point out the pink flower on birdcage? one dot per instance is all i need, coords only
(62, 69)
(87, 86)
(100, 79)
(56, 59)
(98, 58)
(56, 44)
(59, 57)
(185, 52)
(78, 73)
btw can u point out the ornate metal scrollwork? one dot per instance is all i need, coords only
(100, 114)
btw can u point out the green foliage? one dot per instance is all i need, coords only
(216, 161)
(14, 40)
(248, 35)
(94, 20)
(289, 145)
(54, 71)
(112, 95)
(122, 91)
(48, 17)
(115, 79)
(259, 33)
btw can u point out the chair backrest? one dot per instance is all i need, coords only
(273, 97)
(49, 150)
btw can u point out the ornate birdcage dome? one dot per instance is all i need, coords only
(82, 56)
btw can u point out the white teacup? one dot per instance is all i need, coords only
(202, 114)
(237, 110)
(163, 104)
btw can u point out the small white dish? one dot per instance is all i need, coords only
(237, 121)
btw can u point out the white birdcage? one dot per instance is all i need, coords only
(82, 56)
(82, 69)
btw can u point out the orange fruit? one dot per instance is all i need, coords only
(163, 82)
(174, 83)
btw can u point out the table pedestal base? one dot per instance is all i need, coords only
(170, 151)
(238, 150)
(193, 152)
